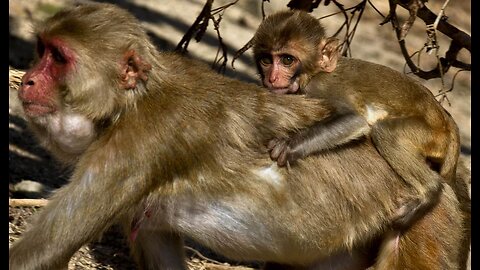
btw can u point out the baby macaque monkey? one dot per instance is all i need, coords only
(409, 128)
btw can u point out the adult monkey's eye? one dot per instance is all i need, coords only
(287, 60)
(40, 48)
(57, 56)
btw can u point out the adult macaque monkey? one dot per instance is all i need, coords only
(169, 148)
(409, 128)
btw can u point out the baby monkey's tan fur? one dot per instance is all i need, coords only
(409, 128)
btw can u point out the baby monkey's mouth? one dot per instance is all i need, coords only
(281, 90)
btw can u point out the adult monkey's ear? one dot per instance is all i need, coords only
(133, 69)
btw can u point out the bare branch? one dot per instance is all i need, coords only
(223, 8)
(413, 7)
(198, 28)
(392, 10)
(222, 47)
(443, 63)
(263, 8)
(440, 15)
(345, 24)
(307, 5)
(443, 93)
(242, 50)
(444, 27)
(201, 256)
(360, 8)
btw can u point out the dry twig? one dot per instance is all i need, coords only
(213, 264)
(459, 40)
(199, 27)
(27, 202)
(14, 78)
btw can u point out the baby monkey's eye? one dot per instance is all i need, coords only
(40, 48)
(266, 60)
(288, 60)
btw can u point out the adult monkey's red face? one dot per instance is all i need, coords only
(42, 84)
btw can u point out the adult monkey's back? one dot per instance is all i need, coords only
(169, 148)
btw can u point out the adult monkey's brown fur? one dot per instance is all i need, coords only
(169, 148)
(410, 129)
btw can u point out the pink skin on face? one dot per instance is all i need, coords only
(40, 84)
(278, 74)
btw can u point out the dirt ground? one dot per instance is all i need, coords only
(167, 21)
